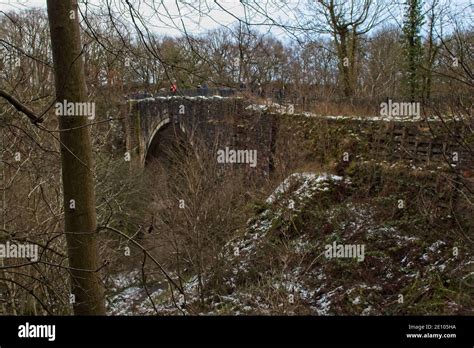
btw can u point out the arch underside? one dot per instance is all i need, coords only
(166, 144)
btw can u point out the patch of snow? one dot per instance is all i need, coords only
(324, 302)
(309, 182)
(257, 107)
(123, 279)
(435, 246)
(324, 305)
(121, 304)
(367, 311)
(301, 245)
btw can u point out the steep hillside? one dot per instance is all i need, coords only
(397, 250)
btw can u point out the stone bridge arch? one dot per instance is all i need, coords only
(214, 121)
(146, 119)
(206, 118)
(167, 137)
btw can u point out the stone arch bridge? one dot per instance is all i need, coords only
(235, 123)
(218, 121)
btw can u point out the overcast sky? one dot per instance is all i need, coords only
(212, 19)
(171, 19)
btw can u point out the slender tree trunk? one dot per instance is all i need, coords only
(76, 160)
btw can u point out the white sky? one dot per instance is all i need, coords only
(169, 21)
(211, 20)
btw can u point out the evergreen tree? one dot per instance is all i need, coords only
(413, 50)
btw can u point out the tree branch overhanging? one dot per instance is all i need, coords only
(35, 119)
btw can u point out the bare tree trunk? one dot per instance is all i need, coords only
(76, 160)
(345, 62)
